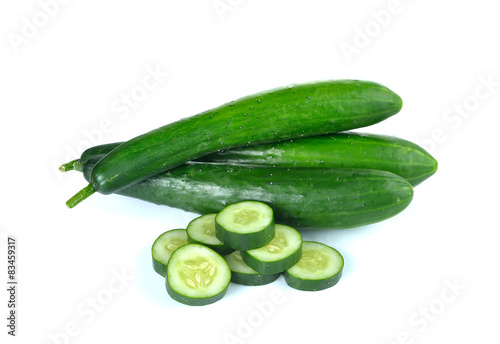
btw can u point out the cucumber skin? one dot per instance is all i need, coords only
(159, 267)
(274, 267)
(253, 279)
(244, 241)
(93, 153)
(98, 151)
(311, 285)
(341, 150)
(192, 301)
(249, 278)
(220, 249)
(300, 110)
(304, 198)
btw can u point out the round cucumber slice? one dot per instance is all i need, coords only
(164, 246)
(202, 231)
(241, 273)
(197, 275)
(283, 252)
(319, 268)
(245, 225)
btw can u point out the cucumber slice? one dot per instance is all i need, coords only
(197, 275)
(283, 252)
(202, 231)
(319, 268)
(241, 273)
(164, 246)
(245, 225)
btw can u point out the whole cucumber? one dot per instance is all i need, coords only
(341, 150)
(306, 198)
(290, 112)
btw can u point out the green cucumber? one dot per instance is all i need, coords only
(245, 225)
(100, 150)
(342, 150)
(164, 246)
(319, 268)
(92, 153)
(296, 111)
(300, 197)
(197, 275)
(241, 273)
(202, 231)
(283, 252)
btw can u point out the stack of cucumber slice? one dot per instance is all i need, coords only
(240, 244)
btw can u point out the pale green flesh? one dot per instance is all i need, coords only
(318, 262)
(167, 243)
(237, 264)
(197, 271)
(285, 242)
(245, 217)
(202, 229)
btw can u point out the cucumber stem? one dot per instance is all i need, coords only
(80, 195)
(78, 166)
(69, 166)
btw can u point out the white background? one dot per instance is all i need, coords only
(428, 275)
